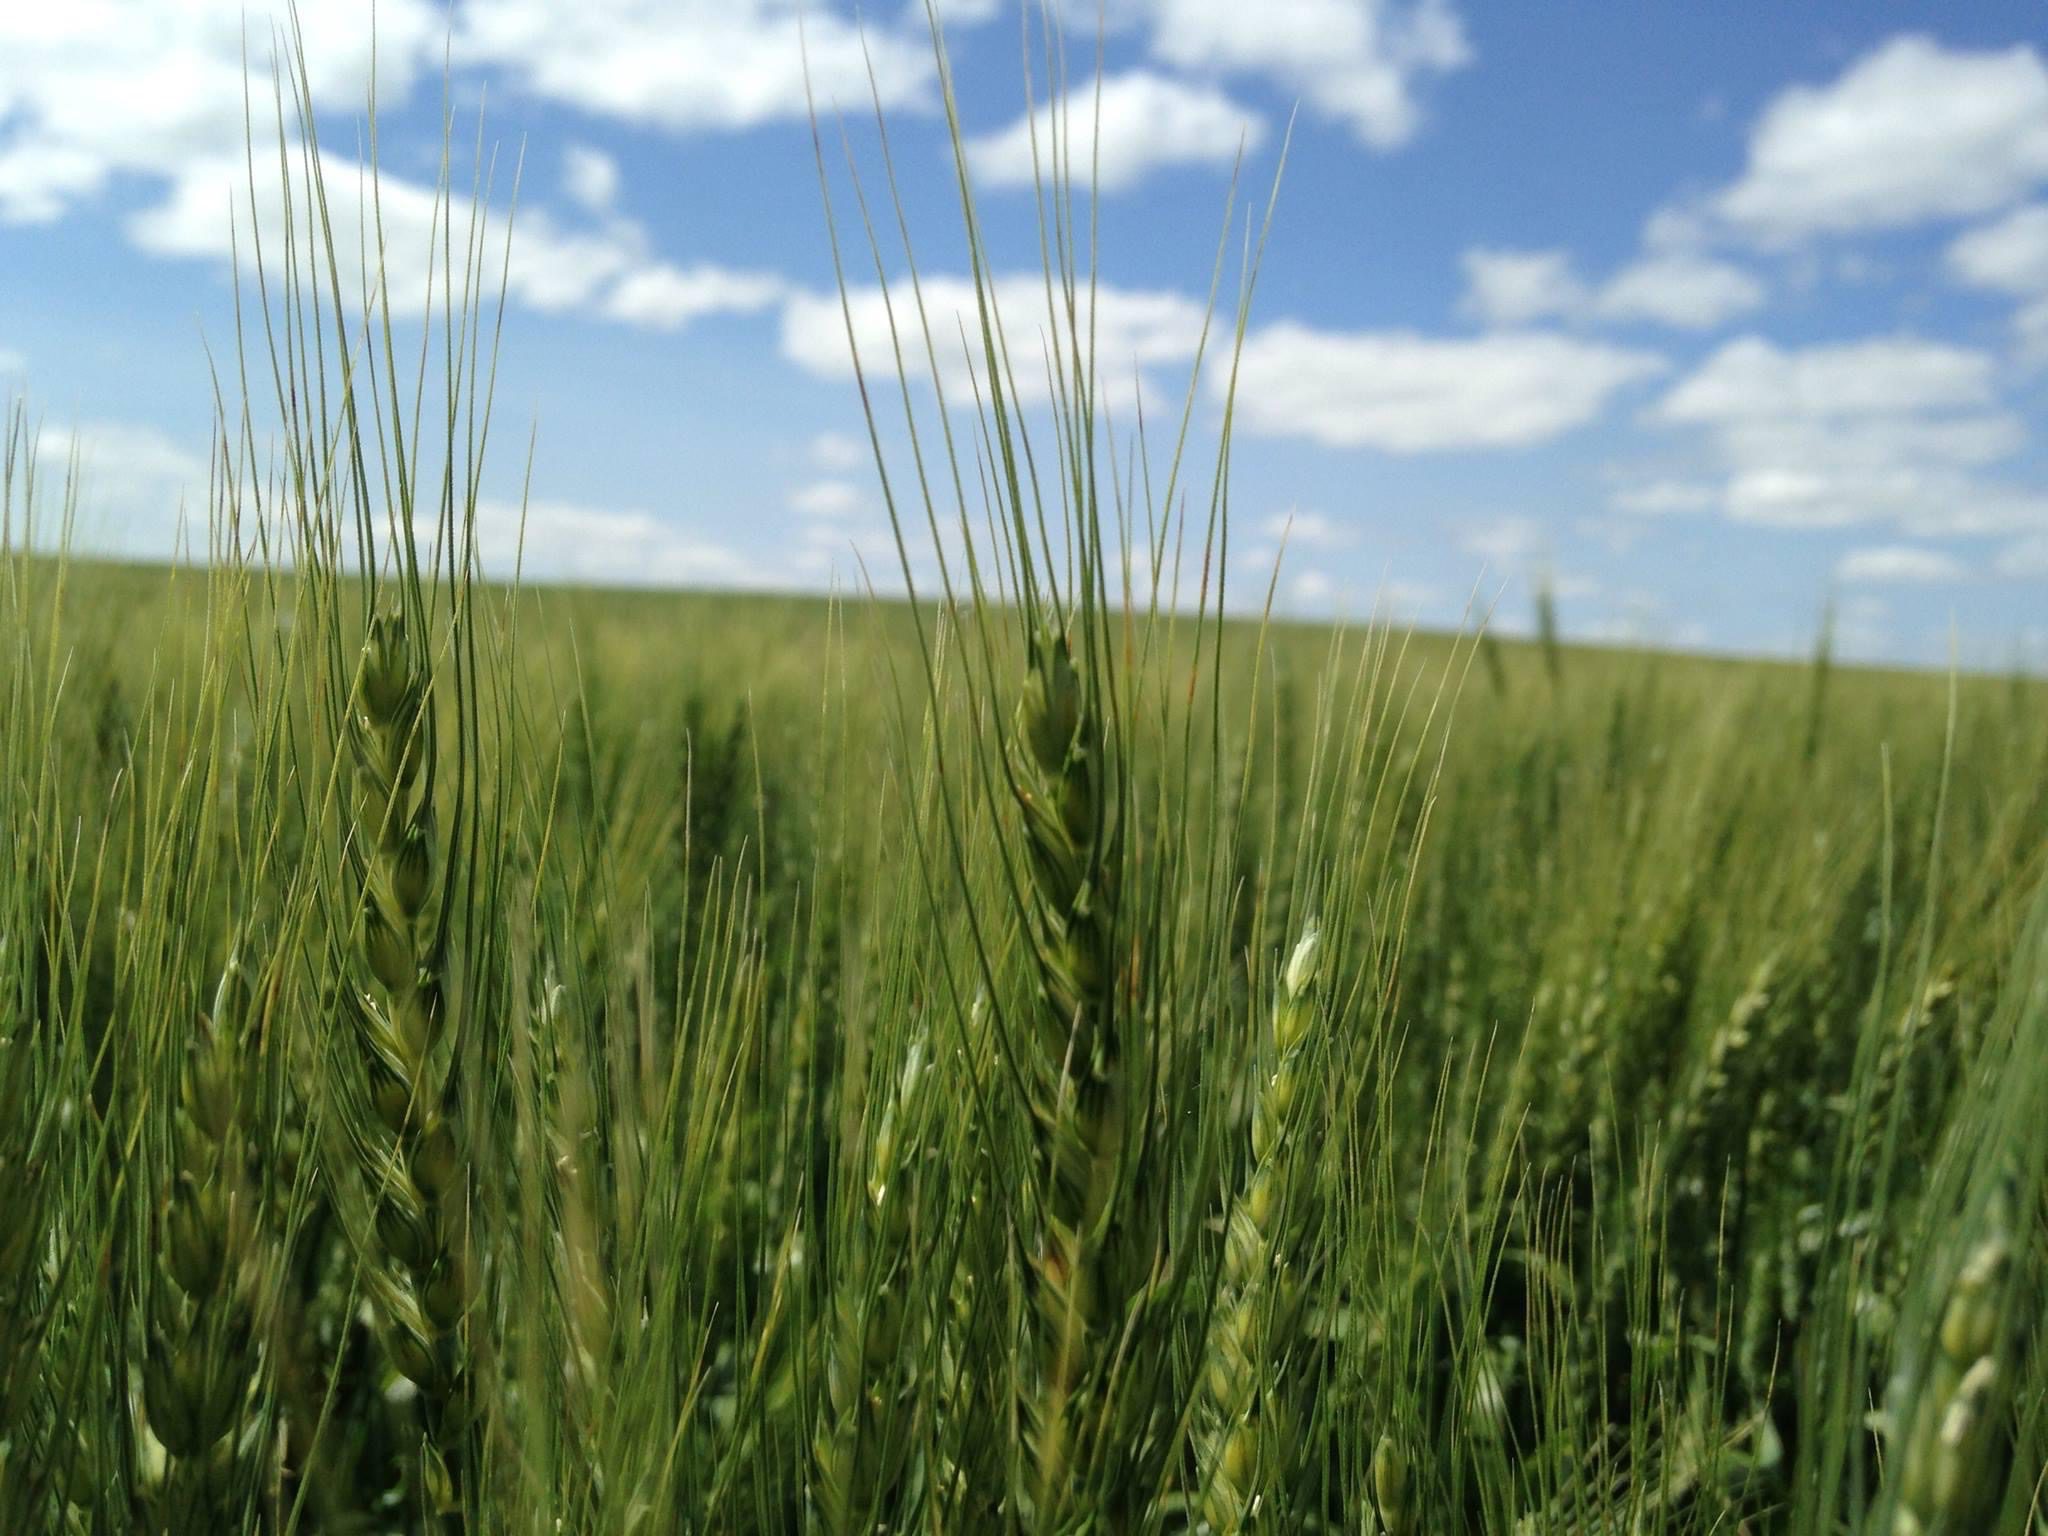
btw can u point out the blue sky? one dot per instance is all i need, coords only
(1706, 314)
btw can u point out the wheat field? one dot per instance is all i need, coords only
(1035, 1058)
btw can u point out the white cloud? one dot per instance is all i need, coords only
(1356, 62)
(1753, 379)
(606, 271)
(1678, 289)
(1311, 589)
(590, 177)
(1404, 602)
(1148, 122)
(696, 64)
(99, 88)
(1406, 393)
(961, 13)
(1310, 530)
(1863, 626)
(93, 88)
(1516, 287)
(1899, 564)
(2031, 323)
(1660, 498)
(661, 296)
(1911, 132)
(1828, 483)
(838, 451)
(1133, 328)
(141, 491)
(827, 499)
(831, 553)
(2007, 256)
(1505, 541)
(12, 361)
(1891, 429)
(1919, 474)
(1692, 293)
(2010, 255)
(568, 541)
(1632, 618)
(2026, 557)
(1291, 536)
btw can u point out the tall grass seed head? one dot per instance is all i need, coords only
(1302, 964)
(387, 678)
(412, 869)
(1049, 712)
(1390, 1486)
(1970, 1322)
(194, 1236)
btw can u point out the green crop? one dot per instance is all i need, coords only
(1064, 1053)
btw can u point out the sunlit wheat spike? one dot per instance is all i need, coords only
(202, 1366)
(862, 1435)
(1248, 1450)
(401, 1123)
(1949, 1432)
(1064, 785)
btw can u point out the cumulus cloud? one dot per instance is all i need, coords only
(606, 271)
(1133, 329)
(838, 451)
(1148, 122)
(1687, 292)
(608, 546)
(565, 540)
(2010, 256)
(1516, 287)
(1295, 535)
(1891, 428)
(590, 177)
(696, 64)
(141, 492)
(1663, 497)
(1504, 541)
(1899, 564)
(827, 499)
(2024, 558)
(1406, 393)
(1683, 290)
(1910, 133)
(662, 296)
(1751, 378)
(96, 88)
(1356, 62)
(1311, 530)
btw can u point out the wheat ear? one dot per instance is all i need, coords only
(1393, 1487)
(1946, 1436)
(859, 1445)
(1248, 1409)
(1062, 777)
(408, 1149)
(202, 1359)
